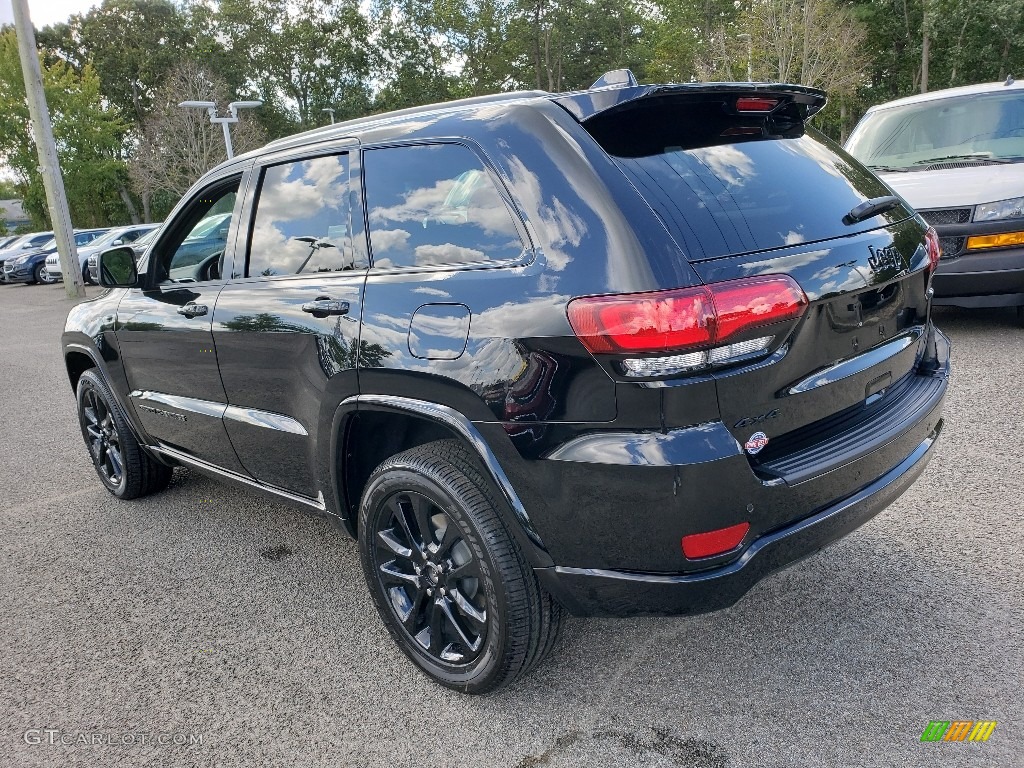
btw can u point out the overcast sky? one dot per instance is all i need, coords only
(44, 12)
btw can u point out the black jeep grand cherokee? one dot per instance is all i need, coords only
(613, 352)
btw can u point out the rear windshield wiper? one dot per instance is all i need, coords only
(872, 207)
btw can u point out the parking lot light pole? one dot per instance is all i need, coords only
(330, 111)
(49, 163)
(225, 122)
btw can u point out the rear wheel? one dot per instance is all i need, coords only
(124, 468)
(449, 581)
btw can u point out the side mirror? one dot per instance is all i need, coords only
(119, 241)
(117, 268)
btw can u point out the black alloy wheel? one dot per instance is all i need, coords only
(450, 582)
(123, 466)
(102, 438)
(432, 580)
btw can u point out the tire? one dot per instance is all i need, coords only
(41, 275)
(86, 277)
(124, 468)
(475, 632)
(1020, 315)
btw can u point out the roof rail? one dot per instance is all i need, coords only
(617, 78)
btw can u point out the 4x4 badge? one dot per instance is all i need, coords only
(757, 441)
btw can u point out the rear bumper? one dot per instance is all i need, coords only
(597, 592)
(616, 550)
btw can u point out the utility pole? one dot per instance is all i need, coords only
(49, 164)
(233, 107)
(331, 112)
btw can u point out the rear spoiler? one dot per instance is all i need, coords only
(797, 101)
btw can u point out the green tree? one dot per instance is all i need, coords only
(312, 54)
(88, 130)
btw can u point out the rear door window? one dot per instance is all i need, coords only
(435, 205)
(722, 186)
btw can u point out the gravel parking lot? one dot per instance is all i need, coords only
(209, 612)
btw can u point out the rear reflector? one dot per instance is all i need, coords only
(1003, 240)
(684, 319)
(755, 104)
(698, 545)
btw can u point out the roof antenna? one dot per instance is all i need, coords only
(617, 78)
(1009, 80)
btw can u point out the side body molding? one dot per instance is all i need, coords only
(465, 429)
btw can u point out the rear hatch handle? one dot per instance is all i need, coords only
(872, 207)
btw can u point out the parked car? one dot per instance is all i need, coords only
(21, 246)
(138, 247)
(111, 237)
(7, 240)
(32, 268)
(957, 156)
(621, 351)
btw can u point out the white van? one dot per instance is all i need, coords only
(957, 156)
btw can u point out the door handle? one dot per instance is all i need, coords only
(325, 306)
(192, 310)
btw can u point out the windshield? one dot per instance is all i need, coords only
(146, 238)
(49, 245)
(723, 187)
(107, 238)
(208, 227)
(984, 128)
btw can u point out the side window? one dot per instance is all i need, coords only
(195, 252)
(435, 205)
(303, 219)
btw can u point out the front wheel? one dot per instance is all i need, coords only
(124, 468)
(42, 276)
(451, 584)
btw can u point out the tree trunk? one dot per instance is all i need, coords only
(1002, 60)
(126, 198)
(147, 208)
(926, 45)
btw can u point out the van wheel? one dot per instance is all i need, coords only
(451, 584)
(124, 468)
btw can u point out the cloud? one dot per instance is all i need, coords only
(388, 239)
(449, 253)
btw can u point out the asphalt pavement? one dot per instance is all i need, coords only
(209, 615)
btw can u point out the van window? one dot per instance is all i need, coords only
(434, 205)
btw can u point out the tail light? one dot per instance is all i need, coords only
(755, 104)
(931, 240)
(691, 327)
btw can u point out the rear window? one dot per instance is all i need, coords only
(724, 186)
